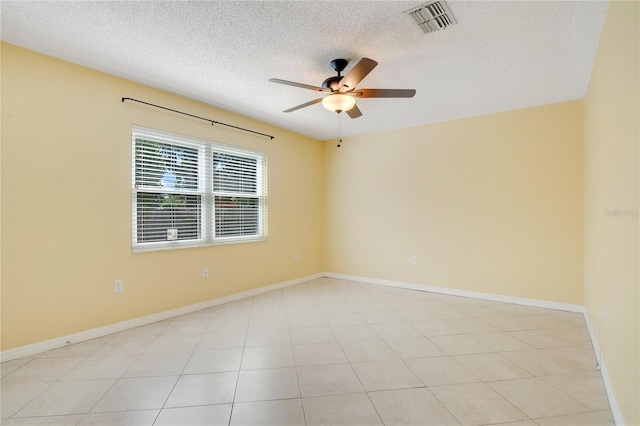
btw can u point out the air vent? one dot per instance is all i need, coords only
(432, 16)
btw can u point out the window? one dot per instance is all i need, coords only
(188, 192)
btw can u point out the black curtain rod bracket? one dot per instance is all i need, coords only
(213, 122)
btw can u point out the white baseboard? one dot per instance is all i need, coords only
(613, 402)
(58, 342)
(463, 293)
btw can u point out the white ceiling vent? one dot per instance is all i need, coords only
(432, 16)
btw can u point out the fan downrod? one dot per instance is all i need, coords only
(332, 82)
(339, 65)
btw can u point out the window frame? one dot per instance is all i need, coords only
(207, 209)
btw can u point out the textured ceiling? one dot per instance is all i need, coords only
(501, 55)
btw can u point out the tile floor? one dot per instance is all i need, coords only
(322, 353)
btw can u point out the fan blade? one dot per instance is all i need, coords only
(301, 85)
(354, 112)
(384, 93)
(357, 73)
(304, 105)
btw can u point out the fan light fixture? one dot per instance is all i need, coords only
(338, 102)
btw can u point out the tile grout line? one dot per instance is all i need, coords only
(246, 335)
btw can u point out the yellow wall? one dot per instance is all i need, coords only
(66, 204)
(612, 137)
(490, 204)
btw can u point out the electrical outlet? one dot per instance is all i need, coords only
(118, 286)
(589, 281)
(205, 272)
(296, 256)
(604, 313)
(414, 260)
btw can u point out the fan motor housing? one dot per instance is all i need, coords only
(332, 83)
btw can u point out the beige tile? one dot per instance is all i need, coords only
(435, 328)
(318, 353)
(538, 363)
(440, 371)
(186, 327)
(344, 318)
(122, 345)
(586, 388)
(154, 329)
(537, 399)
(513, 309)
(261, 385)
(102, 367)
(395, 330)
(476, 404)
(67, 398)
(83, 349)
(138, 393)
(325, 296)
(447, 313)
(257, 323)
(542, 339)
(410, 407)
(500, 342)
(43, 370)
(320, 380)
(203, 389)
(287, 412)
(540, 322)
(341, 306)
(385, 375)
(8, 367)
(607, 414)
(301, 302)
(14, 396)
(203, 314)
(307, 320)
(414, 347)
(46, 420)
(380, 316)
(268, 337)
(411, 314)
(367, 350)
(490, 367)
(347, 410)
(509, 323)
(193, 416)
(125, 418)
(230, 325)
(459, 344)
(482, 312)
(221, 340)
(350, 333)
(267, 357)
(582, 419)
(472, 325)
(174, 343)
(158, 364)
(577, 335)
(214, 361)
(575, 359)
(303, 336)
(367, 305)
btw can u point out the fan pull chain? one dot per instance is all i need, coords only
(339, 130)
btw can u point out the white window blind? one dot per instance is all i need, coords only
(189, 192)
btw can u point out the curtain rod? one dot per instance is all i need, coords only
(200, 118)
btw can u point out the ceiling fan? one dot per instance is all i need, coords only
(341, 90)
